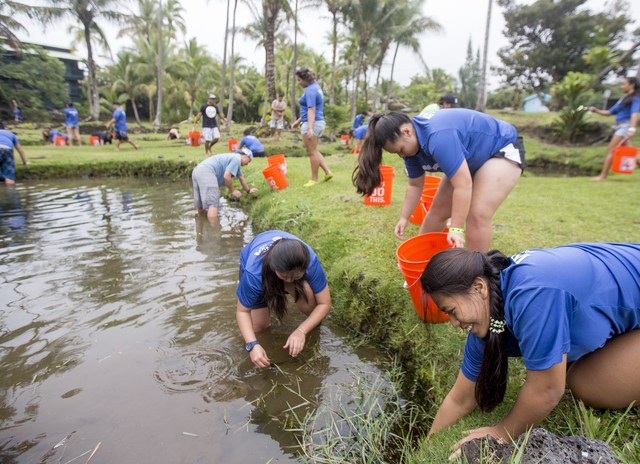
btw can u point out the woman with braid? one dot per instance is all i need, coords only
(572, 313)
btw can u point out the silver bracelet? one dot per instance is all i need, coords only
(305, 334)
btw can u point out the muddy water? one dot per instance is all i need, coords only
(117, 328)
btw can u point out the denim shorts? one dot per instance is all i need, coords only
(318, 128)
(72, 126)
(622, 129)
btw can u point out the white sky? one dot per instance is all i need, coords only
(460, 20)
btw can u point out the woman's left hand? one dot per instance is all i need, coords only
(630, 135)
(456, 239)
(473, 434)
(295, 342)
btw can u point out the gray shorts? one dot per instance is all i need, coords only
(206, 191)
(318, 128)
(622, 129)
(72, 126)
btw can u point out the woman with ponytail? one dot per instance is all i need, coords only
(626, 110)
(481, 157)
(276, 264)
(572, 313)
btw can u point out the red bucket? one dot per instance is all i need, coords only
(194, 138)
(94, 141)
(275, 177)
(278, 159)
(381, 195)
(233, 145)
(344, 140)
(59, 140)
(624, 159)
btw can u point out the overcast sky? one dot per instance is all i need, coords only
(460, 19)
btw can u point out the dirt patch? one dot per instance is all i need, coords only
(596, 132)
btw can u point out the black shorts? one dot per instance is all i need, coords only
(513, 152)
(122, 135)
(172, 137)
(259, 154)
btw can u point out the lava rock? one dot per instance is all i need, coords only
(542, 447)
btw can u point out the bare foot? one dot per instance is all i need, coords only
(599, 178)
(117, 149)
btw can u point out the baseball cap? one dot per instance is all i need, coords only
(448, 98)
(212, 95)
(245, 151)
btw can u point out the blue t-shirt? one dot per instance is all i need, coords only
(361, 132)
(566, 300)
(623, 113)
(224, 162)
(8, 138)
(121, 119)
(446, 138)
(312, 98)
(71, 115)
(16, 114)
(252, 143)
(250, 287)
(55, 133)
(358, 121)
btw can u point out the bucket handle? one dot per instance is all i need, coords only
(622, 141)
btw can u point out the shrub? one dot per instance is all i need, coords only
(574, 90)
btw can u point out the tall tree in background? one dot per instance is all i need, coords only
(292, 102)
(223, 81)
(158, 120)
(335, 8)
(232, 66)
(198, 70)
(9, 25)
(469, 75)
(126, 79)
(482, 88)
(271, 10)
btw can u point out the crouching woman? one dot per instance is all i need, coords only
(276, 264)
(572, 313)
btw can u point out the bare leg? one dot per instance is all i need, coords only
(70, 135)
(212, 212)
(608, 160)
(273, 129)
(9, 181)
(206, 148)
(134, 145)
(315, 157)
(305, 307)
(117, 145)
(213, 142)
(609, 378)
(440, 211)
(77, 132)
(261, 319)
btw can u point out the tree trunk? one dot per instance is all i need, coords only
(158, 121)
(232, 65)
(391, 77)
(224, 59)
(482, 87)
(292, 103)
(264, 110)
(375, 92)
(271, 13)
(132, 99)
(366, 85)
(193, 97)
(332, 97)
(89, 96)
(93, 81)
(354, 95)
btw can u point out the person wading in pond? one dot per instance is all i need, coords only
(572, 313)
(482, 159)
(312, 119)
(626, 110)
(9, 141)
(276, 264)
(210, 133)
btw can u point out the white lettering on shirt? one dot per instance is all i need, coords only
(517, 259)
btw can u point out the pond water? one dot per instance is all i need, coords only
(117, 327)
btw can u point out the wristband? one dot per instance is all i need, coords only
(305, 334)
(632, 129)
(457, 230)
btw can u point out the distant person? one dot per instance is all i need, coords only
(8, 141)
(358, 122)
(71, 117)
(276, 264)
(626, 110)
(277, 115)
(210, 132)
(17, 113)
(313, 124)
(430, 109)
(49, 135)
(119, 120)
(104, 137)
(448, 101)
(359, 136)
(253, 144)
(173, 134)
(215, 172)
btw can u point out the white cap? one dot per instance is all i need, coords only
(245, 151)
(212, 95)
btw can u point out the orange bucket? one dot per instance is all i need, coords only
(194, 137)
(381, 195)
(344, 140)
(426, 199)
(278, 159)
(275, 177)
(233, 145)
(431, 181)
(94, 141)
(413, 256)
(624, 159)
(59, 140)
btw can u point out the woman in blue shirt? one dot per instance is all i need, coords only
(572, 313)
(276, 264)
(49, 135)
(71, 123)
(312, 119)
(481, 157)
(626, 110)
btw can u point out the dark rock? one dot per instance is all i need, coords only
(542, 447)
(159, 156)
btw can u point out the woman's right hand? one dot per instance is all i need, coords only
(259, 357)
(294, 125)
(593, 109)
(400, 227)
(456, 239)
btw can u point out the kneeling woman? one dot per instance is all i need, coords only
(481, 157)
(273, 265)
(572, 313)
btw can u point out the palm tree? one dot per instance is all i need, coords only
(126, 80)
(144, 22)
(482, 97)
(271, 11)
(158, 120)
(87, 12)
(198, 70)
(172, 13)
(224, 59)
(99, 41)
(335, 8)
(232, 62)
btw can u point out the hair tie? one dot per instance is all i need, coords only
(497, 327)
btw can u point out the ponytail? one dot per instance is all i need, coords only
(453, 272)
(383, 128)
(636, 93)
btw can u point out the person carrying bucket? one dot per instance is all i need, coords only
(481, 157)
(276, 264)
(626, 110)
(572, 313)
(213, 173)
(208, 112)
(253, 144)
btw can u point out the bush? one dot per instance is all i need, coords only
(335, 116)
(574, 90)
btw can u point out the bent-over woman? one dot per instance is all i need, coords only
(481, 157)
(572, 313)
(276, 264)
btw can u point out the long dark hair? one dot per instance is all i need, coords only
(636, 93)
(383, 128)
(453, 272)
(285, 256)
